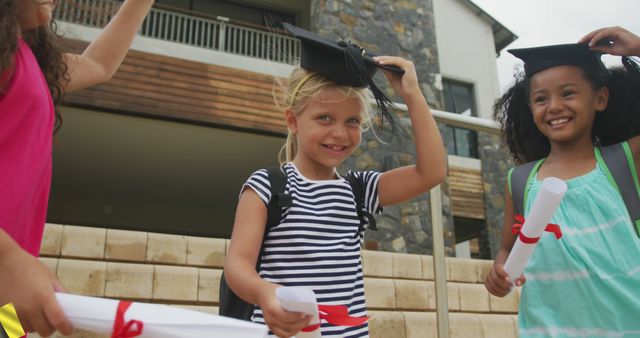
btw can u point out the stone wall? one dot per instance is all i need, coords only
(495, 165)
(407, 29)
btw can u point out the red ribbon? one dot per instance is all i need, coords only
(516, 229)
(336, 315)
(122, 329)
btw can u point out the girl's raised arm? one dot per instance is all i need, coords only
(103, 56)
(403, 183)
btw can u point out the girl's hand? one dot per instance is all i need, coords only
(405, 85)
(30, 286)
(498, 282)
(614, 41)
(281, 322)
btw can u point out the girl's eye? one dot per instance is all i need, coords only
(353, 122)
(568, 93)
(324, 118)
(539, 99)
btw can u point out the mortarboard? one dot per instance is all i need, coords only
(537, 59)
(344, 63)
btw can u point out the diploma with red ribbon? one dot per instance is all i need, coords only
(529, 231)
(298, 299)
(122, 319)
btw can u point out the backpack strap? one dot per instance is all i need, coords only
(279, 199)
(230, 304)
(519, 180)
(358, 189)
(617, 162)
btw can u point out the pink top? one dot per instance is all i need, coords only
(26, 133)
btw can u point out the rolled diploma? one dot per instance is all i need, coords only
(299, 299)
(551, 193)
(98, 314)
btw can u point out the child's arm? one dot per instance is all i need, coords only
(240, 271)
(103, 56)
(497, 281)
(403, 183)
(30, 286)
(614, 41)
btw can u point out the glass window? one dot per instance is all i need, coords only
(458, 98)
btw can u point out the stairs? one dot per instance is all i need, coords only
(185, 271)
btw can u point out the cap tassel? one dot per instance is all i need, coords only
(356, 64)
(631, 66)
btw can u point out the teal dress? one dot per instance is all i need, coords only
(587, 284)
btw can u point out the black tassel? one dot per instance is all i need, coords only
(357, 66)
(631, 66)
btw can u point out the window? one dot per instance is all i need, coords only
(458, 98)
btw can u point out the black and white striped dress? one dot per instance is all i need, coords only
(317, 245)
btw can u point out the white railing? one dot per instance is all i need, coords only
(210, 33)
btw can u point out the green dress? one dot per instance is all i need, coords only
(587, 284)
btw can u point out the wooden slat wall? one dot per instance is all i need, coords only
(467, 192)
(162, 86)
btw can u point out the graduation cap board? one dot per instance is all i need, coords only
(344, 63)
(537, 59)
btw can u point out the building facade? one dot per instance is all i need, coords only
(166, 144)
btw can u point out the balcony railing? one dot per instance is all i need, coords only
(210, 33)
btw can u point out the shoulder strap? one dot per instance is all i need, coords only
(518, 180)
(279, 199)
(620, 168)
(358, 189)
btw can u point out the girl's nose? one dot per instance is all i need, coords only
(339, 131)
(555, 103)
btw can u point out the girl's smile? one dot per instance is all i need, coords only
(559, 122)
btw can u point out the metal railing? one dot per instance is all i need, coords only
(210, 33)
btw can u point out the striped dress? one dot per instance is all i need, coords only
(317, 245)
(587, 284)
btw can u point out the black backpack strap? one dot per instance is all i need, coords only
(358, 189)
(621, 171)
(518, 180)
(230, 304)
(279, 200)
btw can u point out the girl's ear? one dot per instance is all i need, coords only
(602, 99)
(292, 121)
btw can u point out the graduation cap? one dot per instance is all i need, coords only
(344, 63)
(537, 59)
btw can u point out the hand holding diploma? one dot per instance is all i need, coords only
(298, 299)
(551, 193)
(125, 319)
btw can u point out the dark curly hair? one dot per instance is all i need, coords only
(618, 122)
(46, 44)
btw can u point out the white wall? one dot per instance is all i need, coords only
(466, 51)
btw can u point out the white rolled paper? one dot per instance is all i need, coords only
(160, 321)
(551, 193)
(299, 299)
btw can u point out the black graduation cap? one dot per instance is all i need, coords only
(537, 59)
(344, 63)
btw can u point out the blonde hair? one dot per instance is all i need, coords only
(300, 88)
